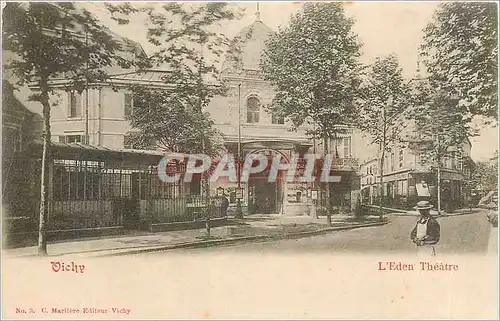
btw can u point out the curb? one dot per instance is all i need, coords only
(201, 244)
(436, 216)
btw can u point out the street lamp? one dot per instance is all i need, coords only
(239, 212)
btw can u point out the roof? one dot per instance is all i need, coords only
(251, 40)
(77, 151)
(152, 76)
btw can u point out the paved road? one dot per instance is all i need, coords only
(459, 234)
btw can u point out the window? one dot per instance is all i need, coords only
(75, 104)
(253, 110)
(392, 161)
(347, 147)
(453, 161)
(71, 139)
(275, 119)
(401, 158)
(129, 104)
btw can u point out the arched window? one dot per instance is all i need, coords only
(253, 110)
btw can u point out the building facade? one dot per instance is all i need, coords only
(98, 116)
(409, 177)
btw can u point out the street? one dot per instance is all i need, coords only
(459, 234)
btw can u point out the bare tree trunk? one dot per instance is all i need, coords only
(439, 188)
(382, 163)
(327, 187)
(44, 186)
(438, 175)
(208, 202)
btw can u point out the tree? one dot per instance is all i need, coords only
(385, 96)
(440, 129)
(162, 121)
(460, 51)
(47, 40)
(485, 175)
(183, 36)
(313, 66)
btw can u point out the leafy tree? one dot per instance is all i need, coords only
(485, 175)
(460, 51)
(385, 96)
(46, 40)
(162, 121)
(183, 36)
(313, 66)
(440, 129)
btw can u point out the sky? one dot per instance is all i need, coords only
(383, 27)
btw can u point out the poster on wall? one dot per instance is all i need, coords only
(423, 189)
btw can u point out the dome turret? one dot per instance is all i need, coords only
(251, 44)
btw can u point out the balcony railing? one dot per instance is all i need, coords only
(339, 164)
(347, 164)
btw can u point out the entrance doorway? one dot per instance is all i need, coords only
(265, 197)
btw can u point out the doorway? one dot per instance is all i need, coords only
(265, 197)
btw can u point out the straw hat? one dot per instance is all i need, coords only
(423, 205)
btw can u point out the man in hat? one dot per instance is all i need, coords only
(427, 230)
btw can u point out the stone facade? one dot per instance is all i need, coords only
(102, 112)
(407, 177)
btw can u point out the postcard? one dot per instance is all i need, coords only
(250, 160)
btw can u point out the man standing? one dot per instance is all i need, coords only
(427, 230)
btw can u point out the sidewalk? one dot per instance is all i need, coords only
(251, 228)
(463, 211)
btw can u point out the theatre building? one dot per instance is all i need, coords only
(248, 108)
(244, 117)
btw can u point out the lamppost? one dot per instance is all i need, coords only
(239, 194)
(451, 99)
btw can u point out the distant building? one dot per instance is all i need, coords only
(408, 177)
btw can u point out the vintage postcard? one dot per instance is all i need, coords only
(250, 160)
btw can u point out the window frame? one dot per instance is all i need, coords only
(253, 116)
(65, 138)
(347, 147)
(275, 120)
(78, 108)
